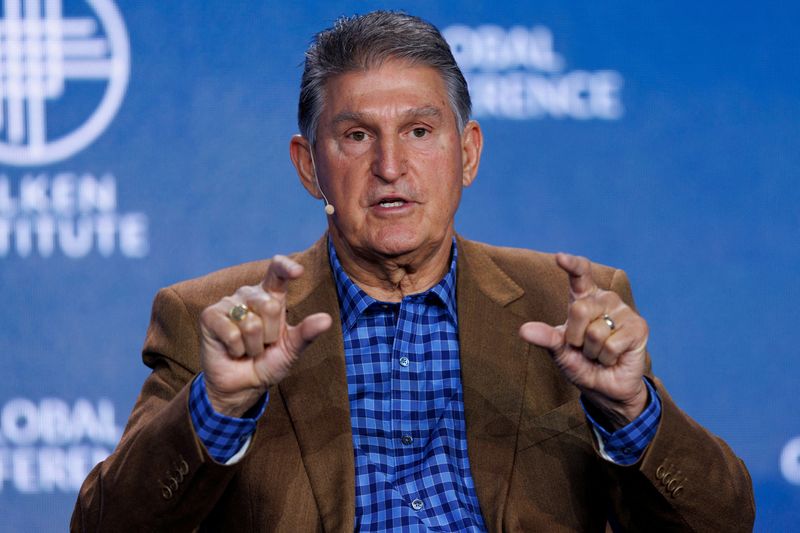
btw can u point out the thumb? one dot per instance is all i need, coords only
(571, 362)
(309, 329)
(543, 335)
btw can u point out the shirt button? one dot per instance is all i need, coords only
(626, 451)
(407, 439)
(404, 361)
(417, 505)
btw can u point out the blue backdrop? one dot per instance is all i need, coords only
(142, 143)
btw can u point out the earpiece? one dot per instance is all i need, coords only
(329, 209)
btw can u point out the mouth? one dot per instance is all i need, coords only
(392, 202)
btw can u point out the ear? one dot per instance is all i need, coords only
(300, 152)
(471, 146)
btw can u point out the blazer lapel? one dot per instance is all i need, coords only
(315, 394)
(494, 362)
(493, 370)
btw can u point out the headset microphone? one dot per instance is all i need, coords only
(329, 209)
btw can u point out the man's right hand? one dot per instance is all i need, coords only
(241, 359)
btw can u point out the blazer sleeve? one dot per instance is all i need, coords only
(687, 479)
(160, 476)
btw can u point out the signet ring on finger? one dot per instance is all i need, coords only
(238, 312)
(609, 322)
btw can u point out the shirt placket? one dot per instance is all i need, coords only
(408, 406)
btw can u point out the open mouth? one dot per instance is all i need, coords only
(392, 202)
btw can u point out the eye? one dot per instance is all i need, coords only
(419, 132)
(357, 135)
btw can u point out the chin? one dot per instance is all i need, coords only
(396, 242)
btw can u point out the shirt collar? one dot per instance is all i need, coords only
(353, 301)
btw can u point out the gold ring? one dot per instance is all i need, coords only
(238, 312)
(609, 322)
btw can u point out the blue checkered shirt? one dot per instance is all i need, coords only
(222, 435)
(626, 445)
(407, 409)
(407, 412)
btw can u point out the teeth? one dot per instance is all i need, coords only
(396, 203)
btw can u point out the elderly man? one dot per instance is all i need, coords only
(396, 376)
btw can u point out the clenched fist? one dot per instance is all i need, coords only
(601, 346)
(242, 353)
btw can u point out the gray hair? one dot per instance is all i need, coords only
(362, 42)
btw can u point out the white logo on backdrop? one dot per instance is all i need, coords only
(51, 445)
(74, 213)
(41, 52)
(790, 461)
(516, 73)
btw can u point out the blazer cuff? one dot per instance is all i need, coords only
(626, 445)
(225, 438)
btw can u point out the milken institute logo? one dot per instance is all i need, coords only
(43, 56)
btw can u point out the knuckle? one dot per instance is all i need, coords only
(580, 309)
(615, 345)
(594, 333)
(258, 300)
(250, 327)
(244, 292)
(231, 336)
(207, 314)
(279, 261)
(272, 308)
(610, 299)
(257, 297)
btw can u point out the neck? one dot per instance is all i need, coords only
(390, 278)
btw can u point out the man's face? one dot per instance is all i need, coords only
(391, 160)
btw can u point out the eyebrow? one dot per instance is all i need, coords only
(351, 116)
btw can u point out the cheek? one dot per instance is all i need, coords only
(446, 194)
(342, 167)
(436, 158)
(450, 171)
(343, 175)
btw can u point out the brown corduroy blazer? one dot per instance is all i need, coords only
(532, 455)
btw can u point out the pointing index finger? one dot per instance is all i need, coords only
(579, 269)
(280, 271)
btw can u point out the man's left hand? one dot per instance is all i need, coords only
(601, 346)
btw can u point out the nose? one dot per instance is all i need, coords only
(389, 162)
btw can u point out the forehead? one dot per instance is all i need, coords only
(387, 90)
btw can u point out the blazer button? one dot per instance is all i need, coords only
(183, 466)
